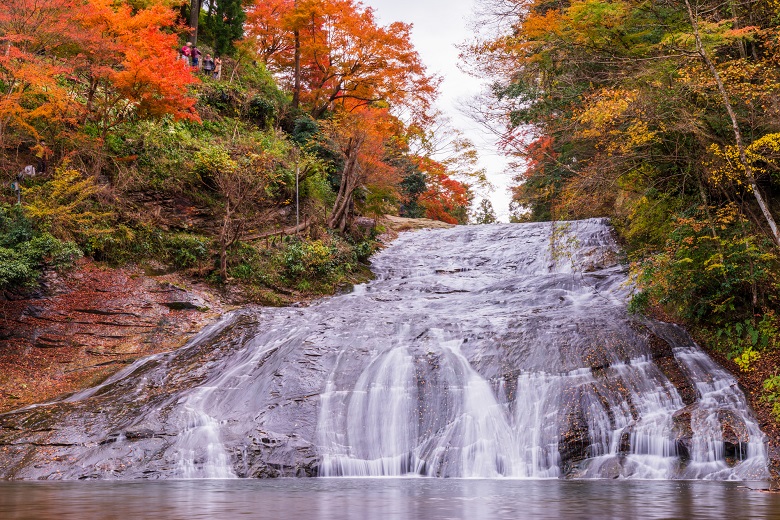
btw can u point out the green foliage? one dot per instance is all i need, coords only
(484, 214)
(364, 248)
(753, 334)
(312, 266)
(223, 24)
(413, 185)
(305, 128)
(210, 161)
(254, 97)
(227, 98)
(147, 243)
(712, 269)
(307, 134)
(25, 252)
(719, 276)
(648, 225)
(317, 189)
(186, 251)
(257, 81)
(308, 258)
(772, 394)
(162, 151)
(262, 111)
(639, 303)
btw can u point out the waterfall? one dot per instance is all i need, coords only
(585, 398)
(477, 352)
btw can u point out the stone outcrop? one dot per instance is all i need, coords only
(77, 329)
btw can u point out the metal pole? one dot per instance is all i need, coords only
(297, 205)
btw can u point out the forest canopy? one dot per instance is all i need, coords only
(662, 115)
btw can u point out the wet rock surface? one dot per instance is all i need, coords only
(477, 352)
(82, 327)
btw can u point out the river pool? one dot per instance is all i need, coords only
(407, 499)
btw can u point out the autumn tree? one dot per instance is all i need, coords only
(345, 58)
(593, 99)
(693, 11)
(126, 65)
(98, 62)
(362, 137)
(446, 198)
(663, 116)
(31, 35)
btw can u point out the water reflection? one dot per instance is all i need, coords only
(411, 499)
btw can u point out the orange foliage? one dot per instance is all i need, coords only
(127, 64)
(362, 136)
(29, 90)
(446, 199)
(65, 61)
(347, 60)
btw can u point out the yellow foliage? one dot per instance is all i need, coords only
(746, 359)
(603, 109)
(538, 26)
(638, 134)
(592, 22)
(65, 205)
(612, 115)
(726, 167)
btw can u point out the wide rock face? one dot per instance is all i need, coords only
(480, 351)
(79, 328)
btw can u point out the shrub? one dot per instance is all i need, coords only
(179, 250)
(65, 205)
(746, 358)
(711, 272)
(308, 258)
(25, 252)
(772, 394)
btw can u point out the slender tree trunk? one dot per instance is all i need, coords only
(297, 67)
(735, 125)
(194, 13)
(224, 241)
(297, 88)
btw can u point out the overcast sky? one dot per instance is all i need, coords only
(440, 25)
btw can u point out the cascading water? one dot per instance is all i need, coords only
(481, 351)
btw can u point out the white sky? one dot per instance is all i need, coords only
(439, 25)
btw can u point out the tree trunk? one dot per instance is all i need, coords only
(734, 124)
(296, 100)
(194, 13)
(339, 217)
(225, 240)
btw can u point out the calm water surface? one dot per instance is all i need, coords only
(407, 499)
